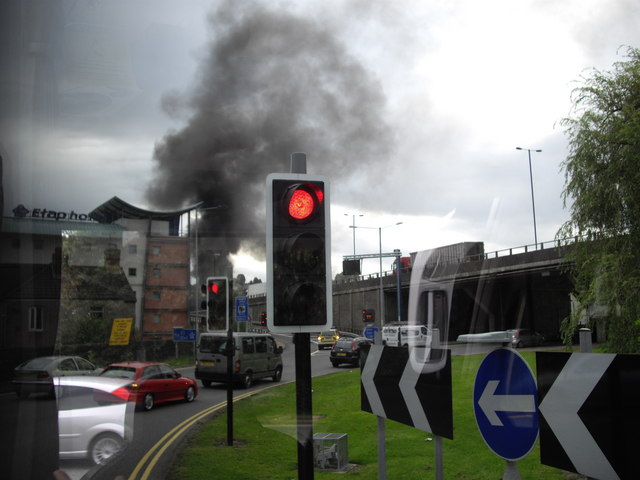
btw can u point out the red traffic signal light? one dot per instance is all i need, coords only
(368, 315)
(304, 201)
(298, 253)
(263, 318)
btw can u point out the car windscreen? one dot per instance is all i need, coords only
(77, 397)
(213, 345)
(119, 372)
(344, 342)
(36, 363)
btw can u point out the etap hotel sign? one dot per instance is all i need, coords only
(23, 212)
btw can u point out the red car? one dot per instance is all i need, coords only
(153, 383)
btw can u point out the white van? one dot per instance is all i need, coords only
(256, 355)
(405, 335)
(390, 335)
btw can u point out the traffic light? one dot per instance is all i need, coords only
(368, 315)
(298, 253)
(263, 319)
(217, 303)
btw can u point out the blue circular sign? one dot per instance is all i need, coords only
(505, 402)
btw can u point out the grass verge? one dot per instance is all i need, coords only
(265, 446)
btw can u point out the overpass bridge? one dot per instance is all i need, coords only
(523, 287)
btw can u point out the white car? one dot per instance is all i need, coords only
(95, 417)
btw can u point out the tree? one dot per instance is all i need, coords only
(602, 184)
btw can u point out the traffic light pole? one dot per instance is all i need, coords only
(303, 376)
(230, 352)
(304, 408)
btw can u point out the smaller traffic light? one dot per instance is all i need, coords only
(263, 319)
(368, 315)
(217, 303)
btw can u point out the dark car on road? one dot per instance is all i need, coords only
(525, 338)
(36, 375)
(153, 383)
(348, 350)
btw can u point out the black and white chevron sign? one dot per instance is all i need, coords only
(398, 385)
(590, 413)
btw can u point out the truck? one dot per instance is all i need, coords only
(405, 265)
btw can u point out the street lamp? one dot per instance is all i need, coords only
(197, 285)
(354, 230)
(381, 315)
(533, 203)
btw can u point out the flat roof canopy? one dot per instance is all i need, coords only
(116, 208)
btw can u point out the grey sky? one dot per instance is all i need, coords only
(414, 109)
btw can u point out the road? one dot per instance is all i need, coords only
(158, 433)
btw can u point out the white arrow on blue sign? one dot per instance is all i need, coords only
(505, 404)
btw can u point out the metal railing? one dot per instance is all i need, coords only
(505, 252)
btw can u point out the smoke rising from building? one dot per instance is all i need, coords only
(272, 83)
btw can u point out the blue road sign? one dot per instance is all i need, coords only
(370, 332)
(184, 335)
(242, 309)
(505, 404)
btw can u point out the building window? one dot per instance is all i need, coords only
(156, 318)
(155, 250)
(156, 295)
(15, 243)
(132, 272)
(156, 273)
(132, 248)
(36, 321)
(38, 244)
(96, 312)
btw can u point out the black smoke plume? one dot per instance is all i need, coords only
(271, 84)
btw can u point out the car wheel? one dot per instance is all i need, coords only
(247, 380)
(190, 394)
(277, 376)
(148, 402)
(206, 383)
(335, 364)
(104, 447)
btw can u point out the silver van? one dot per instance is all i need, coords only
(255, 355)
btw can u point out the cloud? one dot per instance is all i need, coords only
(272, 83)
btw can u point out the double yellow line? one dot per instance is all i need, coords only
(152, 457)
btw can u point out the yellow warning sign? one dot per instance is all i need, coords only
(121, 331)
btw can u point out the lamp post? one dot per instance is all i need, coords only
(533, 202)
(197, 262)
(381, 315)
(354, 229)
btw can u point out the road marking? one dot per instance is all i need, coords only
(155, 453)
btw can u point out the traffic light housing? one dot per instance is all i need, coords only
(298, 253)
(368, 315)
(263, 319)
(217, 303)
